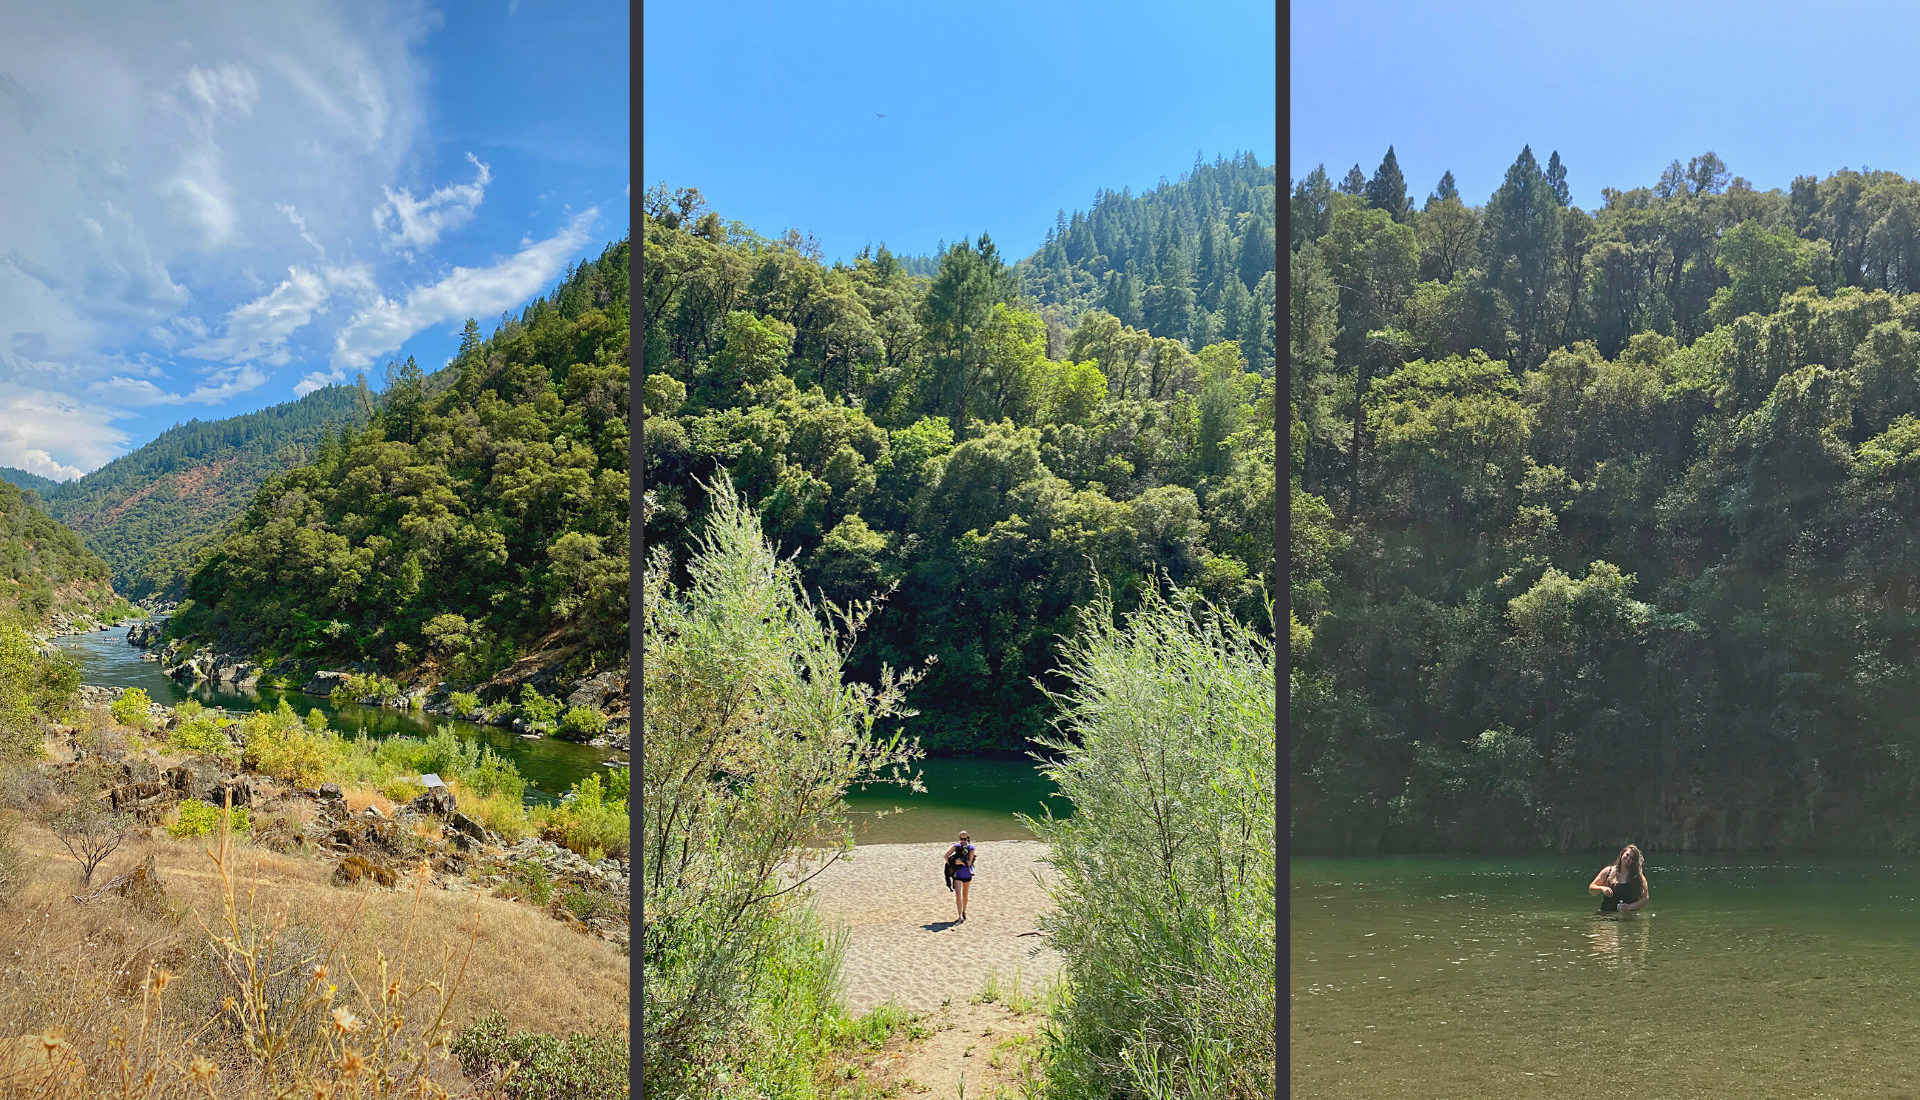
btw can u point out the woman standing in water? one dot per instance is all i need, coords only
(1622, 884)
(960, 873)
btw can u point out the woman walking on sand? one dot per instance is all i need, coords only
(959, 861)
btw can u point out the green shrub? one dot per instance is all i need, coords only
(189, 708)
(463, 703)
(199, 818)
(529, 880)
(131, 709)
(583, 722)
(578, 1066)
(403, 789)
(282, 746)
(588, 822)
(1165, 909)
(202, 734)
(316, 721)
(536, 708)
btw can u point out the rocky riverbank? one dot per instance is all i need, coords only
(605, 693)
(426, 836)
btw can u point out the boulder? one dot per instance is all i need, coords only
(324, 681)
(595, 691)
(438, 801)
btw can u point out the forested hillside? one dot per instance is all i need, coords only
(930, 441)
(1604, 523)
(25, 480)
(149, 512)
(1192, 260)
(480, 516)
(46, 572)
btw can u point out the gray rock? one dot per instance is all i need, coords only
(438, 801)
(323, 682)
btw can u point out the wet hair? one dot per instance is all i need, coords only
(1630, 865)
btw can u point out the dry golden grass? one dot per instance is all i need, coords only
(55, 953)
(359, 798)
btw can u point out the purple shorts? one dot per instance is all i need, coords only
(963, 874)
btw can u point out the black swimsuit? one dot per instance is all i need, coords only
(1624, 893)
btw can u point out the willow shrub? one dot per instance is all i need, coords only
(1164, 742)
(752, 737)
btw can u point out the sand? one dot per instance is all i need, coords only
(902, 942)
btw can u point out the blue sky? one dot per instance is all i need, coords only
(1620, 89)
(208, 209)
(998, 114)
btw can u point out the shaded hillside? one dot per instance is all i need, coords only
(1192, 260)
(46, 573)
(464, 526)
(1606, 523)
(149, 512)
(25, 480)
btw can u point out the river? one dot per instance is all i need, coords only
(549, 766)
(980, 795)
(1495, 977)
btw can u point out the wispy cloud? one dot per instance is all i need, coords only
(36, 425)
(385, 323)
(259, 329)
(408, 223)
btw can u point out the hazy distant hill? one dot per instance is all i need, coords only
(25, 480)
(147, 513)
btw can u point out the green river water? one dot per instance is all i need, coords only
(978, 795)
(549, 766)
(1756, 976)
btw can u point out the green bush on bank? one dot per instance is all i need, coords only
(199, 818)
(1165, 904)
(131, 709)
(578, 1066)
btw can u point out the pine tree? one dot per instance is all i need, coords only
(1355, 183)
(1557, 179)
(1388, 188)
(1445, 191)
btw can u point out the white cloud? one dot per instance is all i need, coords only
(300, 223)
(36, 425)
(408, 223)
(384, 324)
(151, 159)
(259, 329)
(227, 382)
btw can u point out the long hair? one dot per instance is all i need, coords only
(1629, 865)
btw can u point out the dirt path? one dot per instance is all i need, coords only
(902, 942)
(982, 1048)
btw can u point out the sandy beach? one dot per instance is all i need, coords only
(901, 939)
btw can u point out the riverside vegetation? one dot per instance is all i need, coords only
(471, 537)
(981, 439)
(1603, 522)
(177, 976)
(753, 732)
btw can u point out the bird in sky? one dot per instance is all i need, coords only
(877, 114)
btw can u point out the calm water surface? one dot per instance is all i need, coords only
(1494, 977)
(550, 766)
(978, 795)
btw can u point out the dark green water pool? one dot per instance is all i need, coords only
(1494, 977)
(978, 795)
(550, 767)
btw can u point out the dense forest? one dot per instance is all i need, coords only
(1192, 260)
(1604, 523)
(45, 570)
(150, 512)
(942, 443)
(479, 517)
